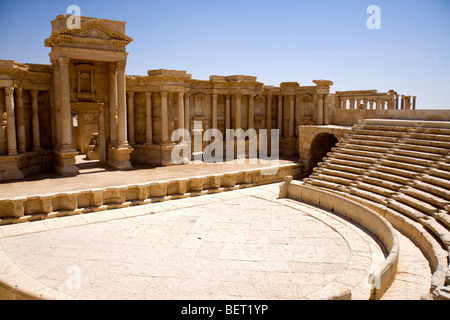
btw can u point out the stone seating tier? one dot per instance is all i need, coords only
(400, 168)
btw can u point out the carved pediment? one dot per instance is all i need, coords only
(90, 32)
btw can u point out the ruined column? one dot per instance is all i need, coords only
(187, 118)
(414, 103)
(269, 115)
(113, 102)
(237, 118)
(214, 111)
(20, 120)
(291, 116)
(280, 115)
(320, 110)
(11, 121)
(130, 114)
(403, 102)
(35, 120)
(251, 111)
(66, 114)
(228, 112)
(121, 103)
(164, 118)
(181, 111)
(148, 119)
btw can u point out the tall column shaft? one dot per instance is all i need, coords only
(228, 112)
(320, 110)
(237, 117)
(121, 102)
(66, 115)
(187, 117)
(251, 111)
(113, 102)
(214, 111)
(291, 116)
(164, 118)
(11, 121)
(35, 120)
(181, 111)
(269, 115)
(57, 97)
(148, 118)
(130, 114)
(280, 115)
(20, 120)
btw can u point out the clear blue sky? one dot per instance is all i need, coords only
(277, 41)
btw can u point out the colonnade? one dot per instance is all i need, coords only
(15, 126)
(395, 101)
(184, 113)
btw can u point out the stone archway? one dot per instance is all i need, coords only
(321, 145)
(315, 142)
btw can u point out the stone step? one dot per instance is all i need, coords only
(381, 127)
(424, 149)
(352, 157)
(323, 184)
(363, 147)
(440, 231)
(437, 131)
(389, 177)
(337, 180)
(337, 173)
(405, 159)
(346, 168)
(415, 203)
(431, 142)
(368, 195)
(359, 153)
(397, 172)
(382, 183)
(406, 210)
(380, 144)
(443, 193)
(426, 196)
(443, 166)
(415, 154)
(444, 217)
(380, 133)
(349, 163)
(440, 173)
(373, 138)
(402, 165)
(420, 124)
(376, 189)
(437, 181)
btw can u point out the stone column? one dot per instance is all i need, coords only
(414, 103)
(291, 116)
(181, 111)
(164, 118)
(251, 111)
(11, 121)
(269, 115)
(320, 110)
(35, 120)
(121, 103)
(228, 112)
(148, 119)
(113, 102)
(403, 102)
(66, 114)
(280, 115)
(187, 111)
(20, 120)
(214, 111)
(102, 135)
(57, 96)
(237, 118)
(130, 114)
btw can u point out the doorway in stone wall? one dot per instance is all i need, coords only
(89, 135)
(321, 145)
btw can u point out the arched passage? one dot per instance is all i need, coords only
(321, 145)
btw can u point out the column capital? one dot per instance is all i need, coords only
(112, 67)
(164, 93)
(9, 91)
(130, 94)
(181, 94)
(63, 62)
(34, 93)
(148, 94)
(19, 92)
(121, 65)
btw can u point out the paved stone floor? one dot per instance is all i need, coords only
(243, 244)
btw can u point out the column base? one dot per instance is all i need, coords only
(9, 168)
(166, 154)
(65, 163)
(119, 158)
